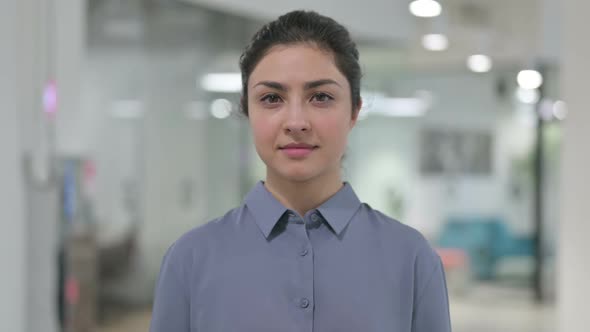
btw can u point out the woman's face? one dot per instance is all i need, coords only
(300, 111)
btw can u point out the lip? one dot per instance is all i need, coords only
(298, 150)
(298, 146)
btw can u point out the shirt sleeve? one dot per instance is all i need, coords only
(171, 303)
(431, 310)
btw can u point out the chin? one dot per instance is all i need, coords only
(298, 175)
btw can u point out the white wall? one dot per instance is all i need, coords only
(574, 265)
(12, 206)
(68, 46)
(28, 205)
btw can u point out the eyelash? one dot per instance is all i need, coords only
(266, 97)
(322, 94)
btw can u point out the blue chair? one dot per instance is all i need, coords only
(485, 241)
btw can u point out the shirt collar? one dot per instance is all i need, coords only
(340, 208)
(267, 210)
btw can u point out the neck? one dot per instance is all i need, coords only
(305, 195)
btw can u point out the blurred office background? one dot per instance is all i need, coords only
(121, 131)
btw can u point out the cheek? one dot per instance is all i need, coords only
(334, 132)
(263, 133)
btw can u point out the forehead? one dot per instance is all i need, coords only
(296, 64)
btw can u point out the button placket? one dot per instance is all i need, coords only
(303, 297)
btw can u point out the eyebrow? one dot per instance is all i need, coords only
(307, 86)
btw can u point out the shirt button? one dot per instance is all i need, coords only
(295, 219)
(314, 217)
(304, 303)
(304, 252)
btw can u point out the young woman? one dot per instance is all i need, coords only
(302, 253)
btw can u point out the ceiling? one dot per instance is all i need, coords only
(514, 33)
(190, 38)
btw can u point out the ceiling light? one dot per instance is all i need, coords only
(479, 63)
(425, 8)
(222, 82)
(435, 42)
(221, 108)
(394, 107)
(529, 79)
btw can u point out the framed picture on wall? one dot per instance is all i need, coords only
(455, 151)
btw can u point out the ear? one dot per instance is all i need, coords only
(355, 114)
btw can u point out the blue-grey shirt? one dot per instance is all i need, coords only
(343, 267)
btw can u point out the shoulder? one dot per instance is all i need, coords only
(201, 239)
(391, 228)
(404, 238)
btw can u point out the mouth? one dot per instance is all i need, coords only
(298, 146)
(298, 150)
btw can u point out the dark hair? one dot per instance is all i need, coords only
(304, 27)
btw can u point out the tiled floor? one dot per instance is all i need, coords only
(483, 308)
(137, 322)
(496, 309)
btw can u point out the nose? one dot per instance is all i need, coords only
(297, 120)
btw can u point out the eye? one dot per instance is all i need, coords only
(322, 97)
(270, 98)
